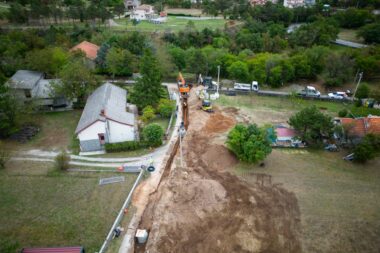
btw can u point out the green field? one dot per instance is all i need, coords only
(42, 208)
(173, 24)
(338, 200)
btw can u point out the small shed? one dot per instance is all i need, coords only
(54, 250)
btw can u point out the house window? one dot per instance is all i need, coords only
(102, 139)
(28, 94)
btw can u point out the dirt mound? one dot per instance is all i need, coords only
(202, 208)
(218, 123)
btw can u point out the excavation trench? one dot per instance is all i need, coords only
(202, 207)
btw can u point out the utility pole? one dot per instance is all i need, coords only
(217, 88)
(357, 85)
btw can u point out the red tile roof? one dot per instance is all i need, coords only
(285, 132)
(91, 50)
(361, 126)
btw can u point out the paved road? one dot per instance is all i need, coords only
(349, 43)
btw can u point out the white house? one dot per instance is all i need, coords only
(298, 3)
(143, 12)
(105, 119)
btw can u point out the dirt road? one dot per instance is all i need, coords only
(203, 208)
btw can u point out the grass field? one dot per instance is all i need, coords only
(56, 131)
(340, 211)
(350, 35)
(42, 208)
(173, 24)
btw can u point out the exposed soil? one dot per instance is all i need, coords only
(203, 208)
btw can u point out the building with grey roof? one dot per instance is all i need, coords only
(29, 85)
(105, 119)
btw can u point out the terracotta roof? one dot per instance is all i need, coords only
(361, 126)
(285, 132)
(91, 50)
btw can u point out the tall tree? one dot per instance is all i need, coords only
(119, 62)
(249, 143)
(313, 125)
(77, 81)
(9, 110)
(148, 89)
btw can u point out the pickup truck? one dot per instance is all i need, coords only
(309, 91)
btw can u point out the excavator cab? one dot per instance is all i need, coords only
(184, 89)
(207, 106)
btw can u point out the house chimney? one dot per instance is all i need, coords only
(102, 112)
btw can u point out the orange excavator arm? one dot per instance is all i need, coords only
(180, 79)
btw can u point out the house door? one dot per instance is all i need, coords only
(102, 139)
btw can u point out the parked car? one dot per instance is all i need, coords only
(309, 91)
(349, 157)
(337, 95)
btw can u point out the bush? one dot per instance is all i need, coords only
(249, 143)
(124, 146)
(343, 113)
(4, 157)
(364, 111)
(166, 107)
(148, 114)
(62, 161)
(153, 134)
(367, 149)
(333, 82)
(363, 91)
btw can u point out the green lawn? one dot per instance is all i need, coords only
(56, 131)
(350, 35)
(338, 200)
(39, 208)
(173, 24)
(340, 211)
(279, 103)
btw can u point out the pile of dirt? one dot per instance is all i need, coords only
(203, 208)
(218, 123)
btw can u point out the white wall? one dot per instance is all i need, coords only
(120, 132)
(91, 132)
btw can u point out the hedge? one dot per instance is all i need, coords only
(125, 146)
(364, 111)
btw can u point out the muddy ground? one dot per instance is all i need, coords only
(201, 207)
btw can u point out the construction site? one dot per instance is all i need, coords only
(200, 206)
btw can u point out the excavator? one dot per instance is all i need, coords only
(207, 106)
(183, 87)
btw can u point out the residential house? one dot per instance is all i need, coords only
(143, 12)
(29, 86)
(131, 4)
(286, 137)
(298, 3)
(261, 2)
(355, 129)
(89, 49)
(105, 119)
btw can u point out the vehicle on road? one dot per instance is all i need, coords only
(309, 91)
(337, 95)
(246, 86)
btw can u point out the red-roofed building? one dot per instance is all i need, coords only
(356, 129)
(54, 250)
(90, 49)
(287, 137)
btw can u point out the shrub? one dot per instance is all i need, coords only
(62, 161)
(148, 114)
(333, 82)
(153, 134)
(367, 149)
(125, 146)
(363, 91)
(4, 157)
(343, 113)
(364, 111)
(166, 107)
(249, 143)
